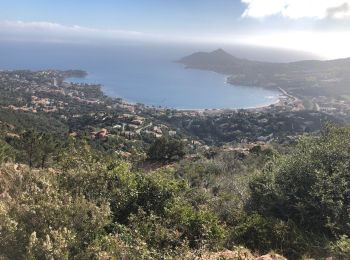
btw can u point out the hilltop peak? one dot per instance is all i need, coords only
(220, 51)
(218, 60)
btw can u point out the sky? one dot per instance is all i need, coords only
(318, 26)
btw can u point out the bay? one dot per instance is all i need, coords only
(139, 73)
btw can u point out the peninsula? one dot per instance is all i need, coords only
(308, 78)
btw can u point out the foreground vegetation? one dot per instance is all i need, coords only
(81, 204)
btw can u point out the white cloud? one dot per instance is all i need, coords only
(295, 9)
(55, 32)
(47, 31)
(329, 45)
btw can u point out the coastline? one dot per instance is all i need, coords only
(280, 96)
(283, 93)
(203, 110)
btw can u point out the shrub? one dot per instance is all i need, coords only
(266, 233)
(164, 149)
(310, 187)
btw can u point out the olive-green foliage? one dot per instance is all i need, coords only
(91, 206)
(267, 233)
(138, 198)
(201, 227)
(40, 122)
(113, 246)
(6, 152)
(41, 220)
(165, 149)
(222, 181)
(37, 149)
(310, 187)
(341, 248)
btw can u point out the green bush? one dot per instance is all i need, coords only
(6, 152)
(341, 248)
(266, 233)
(165, 149)
(41, 220)
(310, 187)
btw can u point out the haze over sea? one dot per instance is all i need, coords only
(147, 73)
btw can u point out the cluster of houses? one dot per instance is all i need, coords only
(44, 89)
(133, 126)
(338, 107)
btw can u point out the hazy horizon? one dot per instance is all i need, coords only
(317, 27)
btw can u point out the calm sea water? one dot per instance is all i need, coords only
(139, 73)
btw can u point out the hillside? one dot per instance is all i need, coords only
(84, 205)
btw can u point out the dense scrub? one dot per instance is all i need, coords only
(307, 193)
(86, 205)
(89, 207)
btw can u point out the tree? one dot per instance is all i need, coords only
(29, 142)
(164, 149)
(48, 146)
(6, 152)
(37, 148)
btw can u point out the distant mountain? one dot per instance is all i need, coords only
(298, 77)
(219, 61)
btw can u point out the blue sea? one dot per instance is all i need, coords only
(143, 73)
